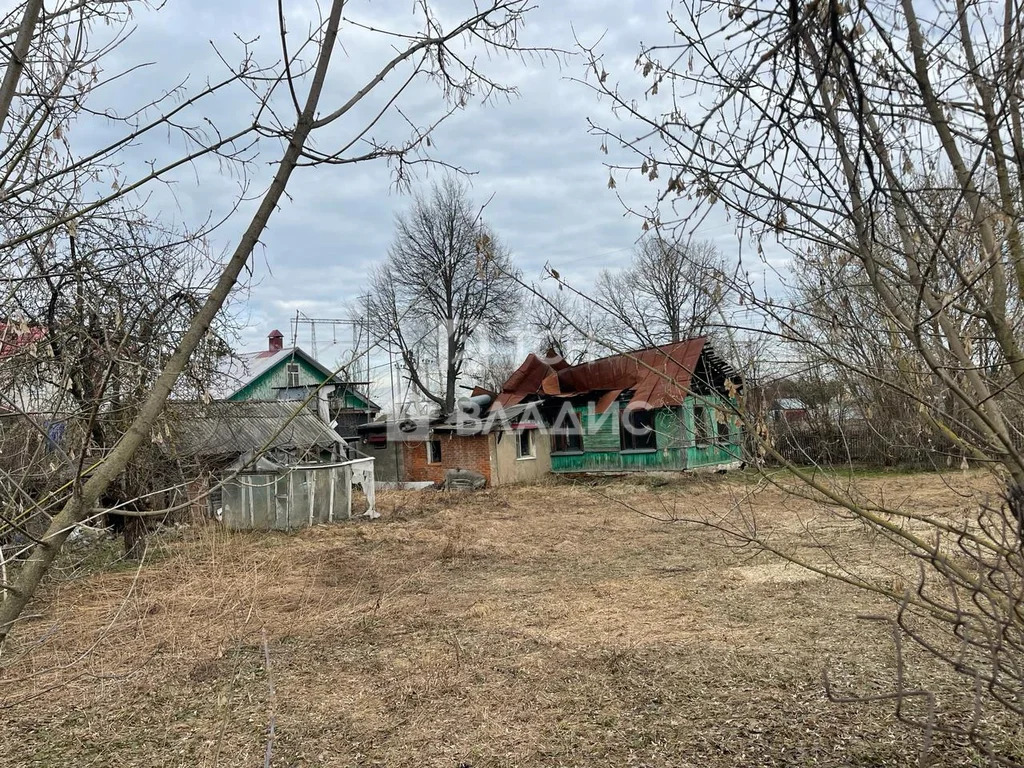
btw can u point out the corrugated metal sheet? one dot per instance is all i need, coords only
(658, 376)
(529, 377)
(233, 427)
(494, 420)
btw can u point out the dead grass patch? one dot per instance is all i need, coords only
(532, 625)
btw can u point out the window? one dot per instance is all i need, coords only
(433, 452)
(701, 433)
(566, 435)
(293, 374)
(637, 431)
(567, 442)
(722, 419)
(525, 448)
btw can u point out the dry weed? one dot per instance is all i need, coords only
(533, 625)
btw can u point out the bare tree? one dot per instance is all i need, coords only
(447, 284)
(493, 370)
(102, 307)
(52, 79)
(881, 144)
(841, 318)
(565, 323)
(670, 292)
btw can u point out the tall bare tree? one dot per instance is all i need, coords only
(880, 143)
(447, 284)
(52, 81)
(102, 308)
(670, 291)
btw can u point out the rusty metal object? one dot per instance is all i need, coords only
(657, 376)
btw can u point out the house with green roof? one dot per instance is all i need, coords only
(280, 373)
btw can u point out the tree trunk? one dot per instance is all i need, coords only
(134, 537)
(76, 509)
(16, 64)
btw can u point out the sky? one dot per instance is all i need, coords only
(530, 156)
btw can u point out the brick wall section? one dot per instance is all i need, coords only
(457, 452)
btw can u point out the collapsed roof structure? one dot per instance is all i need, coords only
(657, 376)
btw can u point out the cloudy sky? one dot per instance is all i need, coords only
(531, 156)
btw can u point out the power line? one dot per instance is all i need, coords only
(360, 338)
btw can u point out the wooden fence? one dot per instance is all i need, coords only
(881, 444)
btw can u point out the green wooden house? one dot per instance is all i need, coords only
(666, 408)
(290, 373)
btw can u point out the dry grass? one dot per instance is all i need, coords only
(524, 626)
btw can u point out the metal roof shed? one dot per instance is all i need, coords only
(282, 466)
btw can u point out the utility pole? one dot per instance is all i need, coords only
(354, 368)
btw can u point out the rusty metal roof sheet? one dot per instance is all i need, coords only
(658, 376)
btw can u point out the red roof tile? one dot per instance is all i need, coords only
(657, 376)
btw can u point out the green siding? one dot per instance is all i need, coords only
(601, 446)
(354, 400)
(677, 449)
(265, 387)
(600, 430)
(614, 461)
(668, 424)
(716, 451)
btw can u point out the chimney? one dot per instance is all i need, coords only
(276, 340)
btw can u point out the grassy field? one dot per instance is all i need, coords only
(544, 625)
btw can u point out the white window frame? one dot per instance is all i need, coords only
(292, 372)
(531, 438)
(431, 459)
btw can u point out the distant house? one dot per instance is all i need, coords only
(671, 407)
(281, 373)
(34, 403)
(789, 409)
(27, 375)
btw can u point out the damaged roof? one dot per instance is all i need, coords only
(495, 419)
(657, 376)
